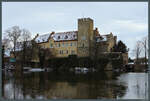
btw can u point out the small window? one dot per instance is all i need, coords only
(59, 45)
(72, 52)
(51, 45)
(58, 37)
(66, 44)
(61, 51)
(70, 44)
(55, 45)
(62, 44)
(83, 45)
(66, 51)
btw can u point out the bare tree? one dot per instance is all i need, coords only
(25, 35)
(6, 44)
(44, 54)
(23, 45)
(145, 47)
(13, 34)
(137, 50)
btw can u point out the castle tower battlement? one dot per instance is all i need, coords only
(85, 19)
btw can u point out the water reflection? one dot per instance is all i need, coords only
(137, 85)
(69, 85)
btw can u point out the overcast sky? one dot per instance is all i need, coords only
(127, 20)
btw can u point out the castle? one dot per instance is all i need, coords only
(87, 41)
(84, 42)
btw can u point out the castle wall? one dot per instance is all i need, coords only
(102, 47)
(44, 45)
(106, 46)
(63, 48)
(117, 56)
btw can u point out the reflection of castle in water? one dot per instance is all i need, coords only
(70, 86)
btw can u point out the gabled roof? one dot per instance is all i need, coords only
(60, 36)
(66, 36)
(42, 38)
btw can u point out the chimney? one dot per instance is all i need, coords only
(52, 32)
(36, 36)
(97, 32)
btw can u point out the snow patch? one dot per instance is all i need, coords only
(61, 36)
(42, 38)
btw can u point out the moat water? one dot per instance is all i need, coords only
(70, 85)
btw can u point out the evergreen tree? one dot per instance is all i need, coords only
(120, 47)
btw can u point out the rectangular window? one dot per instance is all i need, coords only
(72, 52)
(66, 51)
(70, 44)
(83, 45)
(55, 45)
(58, 44)
(61, 52)
(62, 44)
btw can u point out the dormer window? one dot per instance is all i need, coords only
(58, 37)
(43, 39)
(74, 36)
(66, 37)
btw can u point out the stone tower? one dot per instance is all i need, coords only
(85, 37)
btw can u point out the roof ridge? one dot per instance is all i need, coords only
(66, 31)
